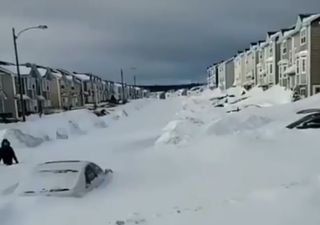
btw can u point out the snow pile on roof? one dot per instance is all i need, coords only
(13, 69)
(82, 77)
(310, 19)
(56, 74)
(42, 71)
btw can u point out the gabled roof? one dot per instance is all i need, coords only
(271, 33)
(309, 19)
(64, 72)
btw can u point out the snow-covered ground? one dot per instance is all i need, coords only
(176, 161)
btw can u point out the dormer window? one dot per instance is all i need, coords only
(303, 36)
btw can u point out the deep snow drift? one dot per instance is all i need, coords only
(178, 161)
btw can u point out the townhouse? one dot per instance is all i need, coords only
(46, 90)
(8, 96)
(287, 62)
(33, 99)
(288, 57)
(251, 61)
(226, 74)
(70, 89)
(212, 76)
(239, 69)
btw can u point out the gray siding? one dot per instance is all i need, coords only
(315, 53)
(277, 58)
(229, 73)
(9, 105)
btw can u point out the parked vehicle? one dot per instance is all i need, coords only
(306, 111)
(64, 178)
(311, 121)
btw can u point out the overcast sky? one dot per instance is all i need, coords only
(168, 41)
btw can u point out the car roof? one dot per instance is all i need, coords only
(63, 165)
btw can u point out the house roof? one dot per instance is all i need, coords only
(83, 77)
(6, 63)
(271, 33)
(57, 74)
(42, 71)
(13, 69)
(310, 18)
(69, 77)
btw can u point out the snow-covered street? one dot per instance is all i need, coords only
(176, 161)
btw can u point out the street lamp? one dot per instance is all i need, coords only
(15, 37)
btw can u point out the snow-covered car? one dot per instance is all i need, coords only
(310, 121)
(64, 178)
(307, 111)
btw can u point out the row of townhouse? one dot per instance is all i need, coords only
(288, 57)
(46, 89)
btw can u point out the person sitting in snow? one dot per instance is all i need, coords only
(7, 153)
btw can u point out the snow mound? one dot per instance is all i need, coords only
(275, 95)
(21, 139)
(180, 131)
(120, 114)
(236, 124)
(50, 127)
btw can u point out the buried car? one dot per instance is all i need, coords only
(64, 178)
(310, 121)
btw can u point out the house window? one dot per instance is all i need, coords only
(303, 65)
(303, 36)
(303, 92)
(290, 57)
(297, 65)
(33, 87)
(284, 47)
(316, 89)
(270, 68)
(270, 51)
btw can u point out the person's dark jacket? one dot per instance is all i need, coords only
(7, 154)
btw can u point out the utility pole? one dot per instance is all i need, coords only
(23, 114)
(122, 84)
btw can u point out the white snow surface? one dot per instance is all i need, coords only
(178, 161)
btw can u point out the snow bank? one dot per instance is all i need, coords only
(275, 95)
(236, 123)
(37, 130)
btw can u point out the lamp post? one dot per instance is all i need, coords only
(15, 37)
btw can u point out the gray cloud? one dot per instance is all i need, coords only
(169, 41)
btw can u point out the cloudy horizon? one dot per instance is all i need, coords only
(168, 42)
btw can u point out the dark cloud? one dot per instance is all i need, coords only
(169, 41)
